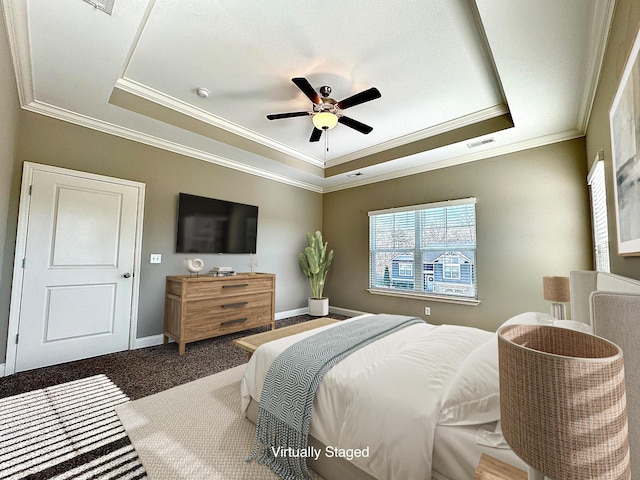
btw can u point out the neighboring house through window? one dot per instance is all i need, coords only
(425, 250)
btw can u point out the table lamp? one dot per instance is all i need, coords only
(562, 403)
(556, 290)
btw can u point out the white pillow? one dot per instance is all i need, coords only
(474, 394)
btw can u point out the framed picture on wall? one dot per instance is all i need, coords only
(624, 121)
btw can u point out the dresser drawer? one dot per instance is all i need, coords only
(221, 324)
(231, 286)
(207, 308)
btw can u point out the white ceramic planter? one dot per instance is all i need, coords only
(318, 307)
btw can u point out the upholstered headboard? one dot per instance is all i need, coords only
(584, 282)
(611, 304)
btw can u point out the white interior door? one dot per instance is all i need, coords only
(78, 269)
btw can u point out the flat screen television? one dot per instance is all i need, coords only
(209, 225)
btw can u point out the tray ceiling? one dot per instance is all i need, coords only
(453, 73)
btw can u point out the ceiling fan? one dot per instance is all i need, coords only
(326, 111)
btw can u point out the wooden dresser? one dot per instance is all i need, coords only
(202, 307)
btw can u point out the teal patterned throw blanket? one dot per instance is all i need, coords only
(290, 386)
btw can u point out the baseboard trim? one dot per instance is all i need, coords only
(291, 313)
(346, 312)
(2, 369)
(150, 341)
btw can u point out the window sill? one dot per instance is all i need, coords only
(425, 296)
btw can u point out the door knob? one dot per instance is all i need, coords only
(127, 275)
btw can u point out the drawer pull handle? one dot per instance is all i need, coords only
(236, 285)
(234, 305)
(237, 320)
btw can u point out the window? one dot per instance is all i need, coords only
(598, 193)
(451, 266)
(434, 244)
(405, 269)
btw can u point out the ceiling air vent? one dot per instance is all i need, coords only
(105, 5)
(481, 142)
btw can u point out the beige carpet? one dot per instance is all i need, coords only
(195, 431)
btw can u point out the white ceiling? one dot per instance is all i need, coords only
(450, 72)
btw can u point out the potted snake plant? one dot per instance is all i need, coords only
(314, 263)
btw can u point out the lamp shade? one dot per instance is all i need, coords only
(556, 289)
(562, 402)
(325, 120)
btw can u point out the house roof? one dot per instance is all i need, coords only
(502, 75)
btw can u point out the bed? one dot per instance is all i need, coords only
(425, 399)
(612, 304)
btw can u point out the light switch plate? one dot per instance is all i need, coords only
(156, 258)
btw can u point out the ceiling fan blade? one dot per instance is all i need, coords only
(315, 135)
(356, 125)
(358, 98)
(277, 116)
(304, 85)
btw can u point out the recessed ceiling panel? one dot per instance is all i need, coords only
(428, 59)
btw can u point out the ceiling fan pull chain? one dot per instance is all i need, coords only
(326, 145)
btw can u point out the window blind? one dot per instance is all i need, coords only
(598, 194)
(438, 240)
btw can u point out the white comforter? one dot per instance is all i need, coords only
(385, 396)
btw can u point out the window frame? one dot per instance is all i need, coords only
(417, 251)
(597, 182)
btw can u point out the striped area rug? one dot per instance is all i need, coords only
(69, 431)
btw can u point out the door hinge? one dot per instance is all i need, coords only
(17, 336)
(30, 189)
(24, 262)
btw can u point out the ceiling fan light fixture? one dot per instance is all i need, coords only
(325, 120)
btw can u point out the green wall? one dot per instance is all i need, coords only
(625, 27)
(532, 220)
(286, 213)
(9, 123)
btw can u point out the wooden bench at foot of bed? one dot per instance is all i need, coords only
(252, 342)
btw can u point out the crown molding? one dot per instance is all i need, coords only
(596, 51)
(460, 122)
(129, 134)
(152, 95)
(17, 21)
(461, 159)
